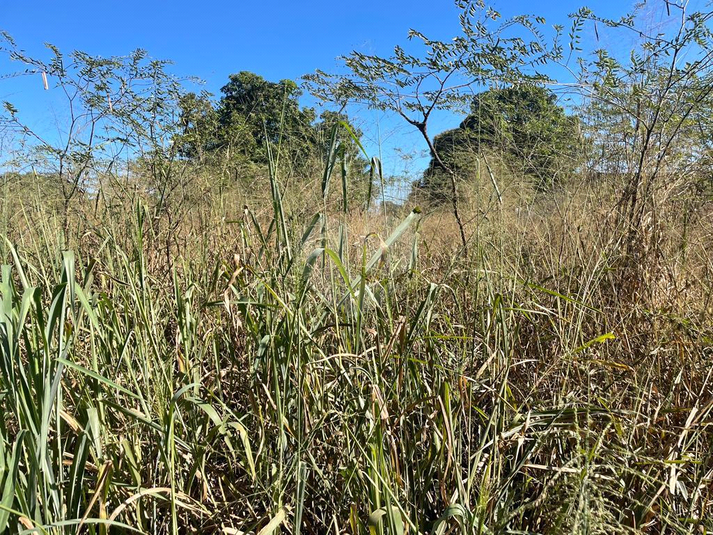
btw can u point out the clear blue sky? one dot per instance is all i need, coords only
(277, 39)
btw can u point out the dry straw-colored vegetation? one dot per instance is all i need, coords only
(183, 354)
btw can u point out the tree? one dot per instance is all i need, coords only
(523, 123)
(254, 112)
(443, 75)
(649, 109)
(256, 119)
(121, 106)
(198, 122)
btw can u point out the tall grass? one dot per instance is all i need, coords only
(326, 376)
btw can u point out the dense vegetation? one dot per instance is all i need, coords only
(251, 116)
(208, 326)
(523, 124)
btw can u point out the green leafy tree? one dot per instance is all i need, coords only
(522, 123)
(254, 112)
(198, 122)
(256, 120)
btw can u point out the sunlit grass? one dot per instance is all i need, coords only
(329, 376)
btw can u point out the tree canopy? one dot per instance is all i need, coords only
(253, 112)
(523, 123)
(255, 118)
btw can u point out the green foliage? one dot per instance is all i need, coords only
(253, 113)
(523, 124)
(198, 122)
(257, 123)
(257, 371)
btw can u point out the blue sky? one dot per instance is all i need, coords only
(277, 39)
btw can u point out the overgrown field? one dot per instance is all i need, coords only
(213, 321)
(351, 374)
